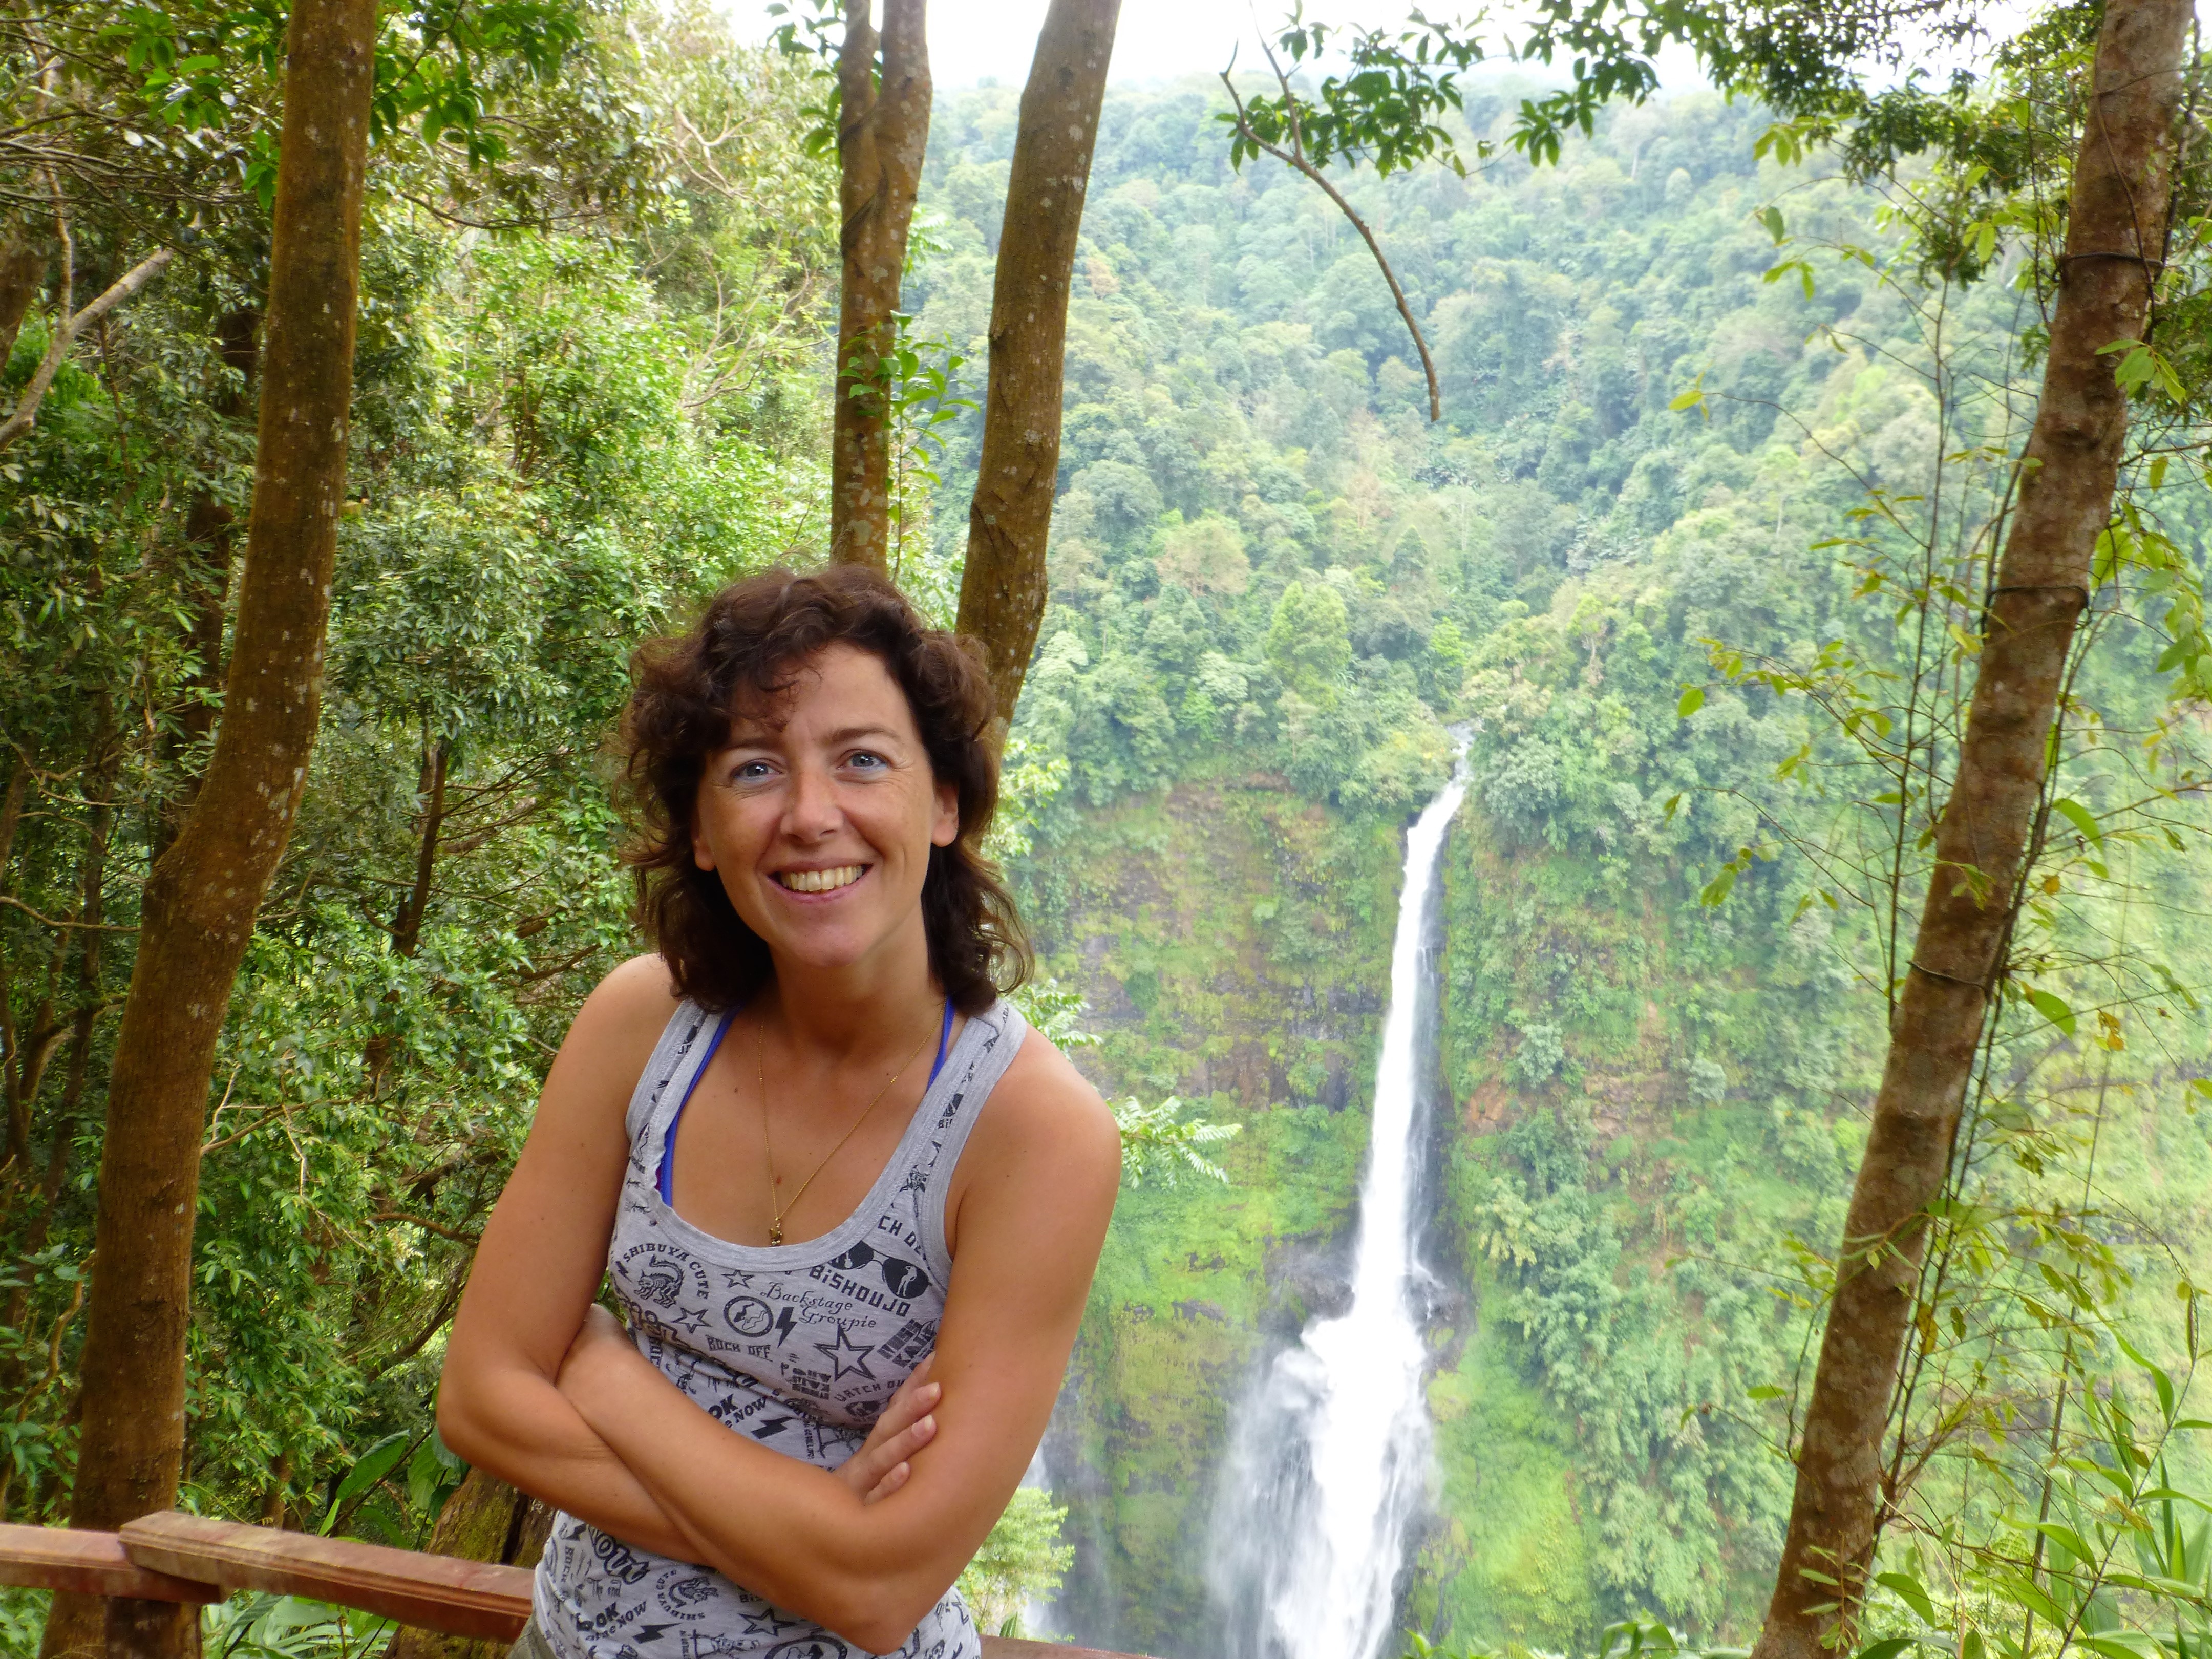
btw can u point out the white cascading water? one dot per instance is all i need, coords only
(1330, 1460)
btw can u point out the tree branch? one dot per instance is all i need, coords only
(1295, 159)
(66, 333)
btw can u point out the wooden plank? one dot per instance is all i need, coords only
(89, 1563)
(433, 1592)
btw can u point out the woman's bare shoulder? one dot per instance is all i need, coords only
(614, 1030)
(1045, 1117)
(1041, 1170)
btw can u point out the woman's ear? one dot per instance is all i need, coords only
(702, 855)
(945, 829)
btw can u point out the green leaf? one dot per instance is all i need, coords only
(1910, 1591)
(2022, 1593)
(2081, 818)
(1888, 1647)
(2053, 1009)
(1693, 398)
(2123, 1645)
(1772, 218)
(374, 1464)
(2068, 1539)
(2158, 472)
(1767, 1391)
(1693, 699)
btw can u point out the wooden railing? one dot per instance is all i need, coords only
(172, 1557)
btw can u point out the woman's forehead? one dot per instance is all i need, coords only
(840, 690)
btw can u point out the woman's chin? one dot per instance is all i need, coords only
(827, 945)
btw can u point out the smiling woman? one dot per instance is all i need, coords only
(828, 1257)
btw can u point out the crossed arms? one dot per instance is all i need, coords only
(545, 1390)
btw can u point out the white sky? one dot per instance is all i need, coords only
(971, 41)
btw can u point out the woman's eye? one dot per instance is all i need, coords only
(866, 760)
(749, 772)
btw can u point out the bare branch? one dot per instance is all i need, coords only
(1295, 159)
(66, 331)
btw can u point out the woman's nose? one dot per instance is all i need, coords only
(813, 811)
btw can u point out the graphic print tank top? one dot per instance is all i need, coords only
(799, 1346)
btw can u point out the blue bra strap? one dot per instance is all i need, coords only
(944, 1036)
(667, 1181)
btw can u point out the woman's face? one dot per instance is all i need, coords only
(820, 813)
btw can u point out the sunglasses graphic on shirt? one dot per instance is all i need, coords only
(901, 1278)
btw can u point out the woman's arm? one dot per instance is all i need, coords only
(540, 1264)
(1037, 1185)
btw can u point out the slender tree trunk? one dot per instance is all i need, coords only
(23, 273)
(210, 527)
(2116, 236)
(201, 899)
(882, 132)
(486, 1520)
(407, 927)
(1002, 591)
(84, 1021)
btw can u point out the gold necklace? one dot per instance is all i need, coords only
(759, 1066)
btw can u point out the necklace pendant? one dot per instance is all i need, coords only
(774, 1233)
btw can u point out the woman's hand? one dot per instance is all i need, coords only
(880, 1467)
(602, 1363)
(601, 1357)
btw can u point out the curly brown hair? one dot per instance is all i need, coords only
(747, 646)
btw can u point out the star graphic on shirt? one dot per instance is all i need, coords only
(687, 1319)
(766, 1622)
(835, 1353)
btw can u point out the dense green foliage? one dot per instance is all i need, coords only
(1276, 591)
(562, 437)
(1275, 585)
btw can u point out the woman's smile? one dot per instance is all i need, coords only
(819, 882)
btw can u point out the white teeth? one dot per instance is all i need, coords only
(821, 881)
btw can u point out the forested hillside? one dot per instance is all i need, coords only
(1275, 587)
(1705, 520)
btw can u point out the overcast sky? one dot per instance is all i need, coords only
(971, 41)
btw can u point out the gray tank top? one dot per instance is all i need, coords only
(798, 1347)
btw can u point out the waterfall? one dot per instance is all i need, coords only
(1330, 1460)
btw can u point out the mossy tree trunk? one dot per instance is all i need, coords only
(485, 1520)
(2116, 238)
(1002, 590)
(202, 897)
(882, 129)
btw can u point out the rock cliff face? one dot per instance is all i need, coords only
(1233, 942)
(1645, 1114)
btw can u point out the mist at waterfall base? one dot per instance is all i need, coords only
(1331, 1456)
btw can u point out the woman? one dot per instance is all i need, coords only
(849, 1203)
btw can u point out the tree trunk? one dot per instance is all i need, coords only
(23, 273)
(200, 900)
(882, 132)
(2122, 195)
(210, 526)
(407, 927)
(486, 1520)
(1002, 591)
(92, 911)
